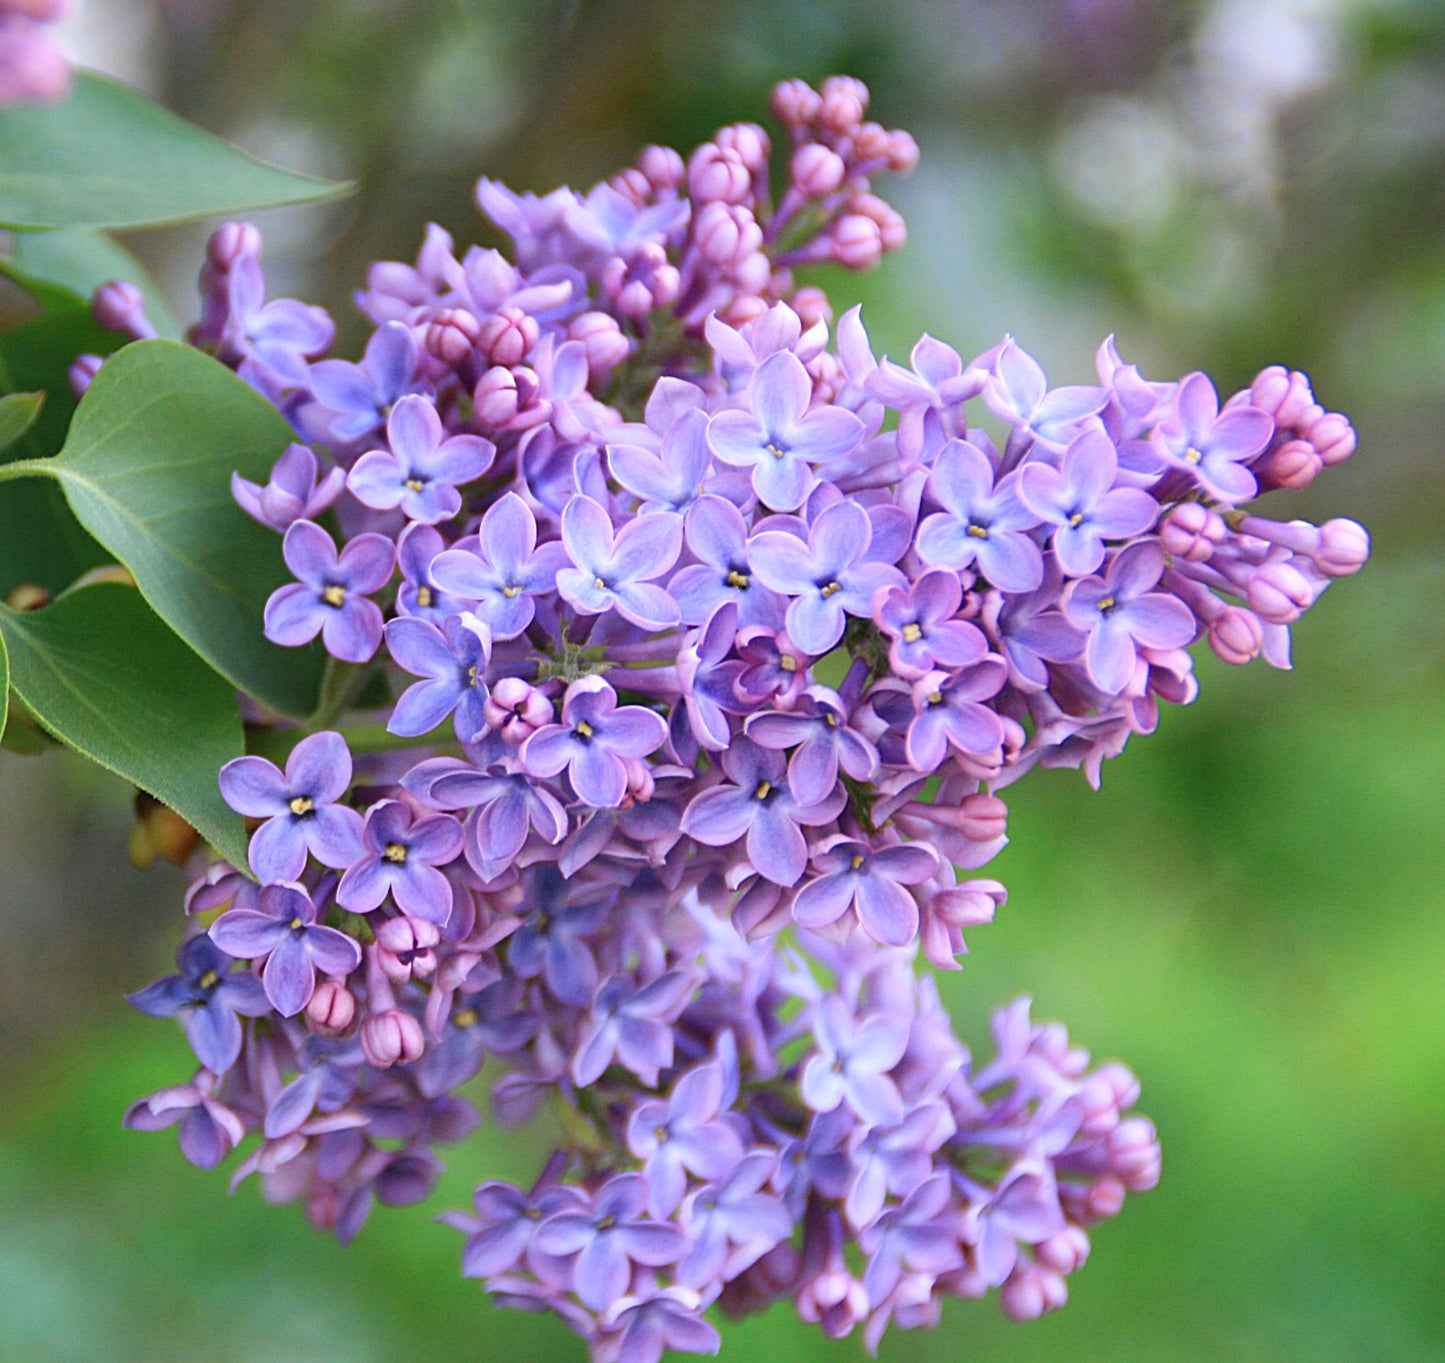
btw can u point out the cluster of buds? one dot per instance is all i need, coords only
(709, 648)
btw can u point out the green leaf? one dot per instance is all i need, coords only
(66, 267)
(105, 676)
(106, 156)
(4, 684)
(147, 470)
(17, 414)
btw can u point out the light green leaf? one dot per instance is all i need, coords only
(66, 267)
(147, 469)
(105, 676)
(106, 156)
(17, 414)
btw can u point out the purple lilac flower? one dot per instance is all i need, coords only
(894, 1159)
(506, 570)
(423, 467)
(817, 730)
(1031, 632)
(209, 1129)
(401, 858)
(330, 597)
(1024, 1207)
(778, 437)
(948, 711)
(980, 522)
(732, 1222)
(1213, 445)
(707, 677)
(918, 619)
(615, 574)
(756, 804)
(919, 1235)
(419, 595)
(871, 883)
(503, 1232)
(550, 940)
(829, 577)
(717, 535)
(357, 398)
(1018, 391)
(631, 1024)
(299, 807)
(453, 660)
(672, 479)
(594, 742)
(682, 1136)
(272, 341)
(644, 1326)
(292, 493)
(775, 668)
(284, 930)
(852, 1062)
(1121, 614)
(1079, 498)
(211, 997)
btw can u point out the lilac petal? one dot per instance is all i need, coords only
(462, 459)
(634, 731)
(204, 1142)
(647, 546)
(587, 534)
(813, 771)
(288, 975)
(824, 900)
(827, 433)
(782, 483)
(332, 951)
(422, 706)
(367, 561)
(1110, 656)
(310, 553)
(736, 438)
(293, 615)
(215, 1037)
(647, 606)
(601, 1273)
(413, 430)
(320, 766)
(254, 787)
(1135, 570)
(333, 833)
(352, 633)
(784, 562)
(886, 911)
(278, 850)
(364, 886)
(777, 848)
(598, 776)
(377, 480)
(1011, 561)
(1158, 620)
(720, 816)
(815, 622)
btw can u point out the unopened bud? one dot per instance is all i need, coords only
(1191, 531)
(795, 102)
(1333, 436)
(1294, 464)
(451, 335)
(1030, 1291)
(120, 306)
(1279, 593)
(405, 948)
(844, 102)
(726, 234)
(230, 242)
(1344, 547)
(748, 142)
(602, 339)
(392, 1037)
(507, 337)
(332, 1008)
(662, 167)
(857, 243)
(1235, 635)
(516, 709)
(816, 169)
(715, 175)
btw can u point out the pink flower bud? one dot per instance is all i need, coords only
(856, 241)
(451, 335)
(495, 397)
(230, 241)
(1235, 635)
(1285, 395)
(812, 306)
(1344, 547)
(516, 709)
(507, 337)
(404, 948)
(632, 184)
(1279, 593)
(844, 102)
(1097, 1202)
(1333, 436)
(1294, 464)
(332, 1008)
(1191, 531)
(640, 783)
(902, 151)
(817, 170)
(726, 234)
(1133, 1153)
(120, 306)
(392, 1037)
(753, 272)
(749, 142)
(742, 309)
(1030, 1291)
(1063, 1252)
(795, 102)
(870, 142)
(82, 372)
(717, 175)
(662, 166)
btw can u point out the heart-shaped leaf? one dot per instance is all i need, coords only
(105, 676)
(106, 156)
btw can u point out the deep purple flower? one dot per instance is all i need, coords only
(829, 577)
(631, 1024)
(209, 1129)
(918, 620)
(594, 742)
(609, 1238)
(852, 1062)
(948, 710)
(1031, 631)
(505, 1226)
(778, 437)
(292, 492)
(615, 574)
(871, 883)
(453, 660)
(209, 995)
(505, 570)
(421, 470)
(817, 730)
(775, 668)
(981, 522)
(359, 397)
(284, 930)
(1122, 614)
(681, 1136)
(299, 807)
(1079, 498)
(401, 858)
(717, 535)
(1213, 445)
(756, 803)
(330, 597)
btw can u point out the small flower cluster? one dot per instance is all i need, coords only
(32, 70)
(707, 649)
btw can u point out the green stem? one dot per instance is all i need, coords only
(26, 468)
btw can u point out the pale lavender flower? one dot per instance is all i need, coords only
(717, 535)
(919, 1235)
(851, 875)
(852, 1062)
(550, 940)
(682, 1136)
(284, 930)
(1018, 391)
(329, 598)
(948, 711)
(895, 1159)
(817, 730)
(419, 594)
(1024, 1207)
(453, 660)
(502, 1232)
(672, 479)
(357, 398)
(271, 341)
(401, 859)
(292, 492)
(299, 807)
(641, 1328)
(1213, 445)
(918, 619)
(615, 574)
(421, 470)
(708, 677)
(732, 1222)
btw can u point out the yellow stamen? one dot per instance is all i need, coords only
(333, 595)
(583, 730)
(415, 484)
(1076, 520)
(935, 698)
(831, 589)
(858, 861)
(395, 853)
(788, 663)
(599, 584)
(296, 924)
(763, 791)
(210, 980)
(302, 804)
(1106, 603)
(1192, 456)
(423, 597)
(978, 532)
(465, 1017)
(912, 634)
(511, 592)
(736, 579)
(774, 450)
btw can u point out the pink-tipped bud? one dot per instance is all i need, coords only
(230, 241)
(857, 243)
(1235, 635)
(662, 166)
(332, 1008)
(1285, 395)
(817, 170)
(751, 273)
(507, 337)
(508, 397)
(726, 234)
(1097, 1202)
(451, 335)
(632, 184)
(82, 372)
(715, 175)
(602, 338)
(870, 142)
(742, 309)
(1097, 1106)
(1064, 1251)
(1333, 436)
(979, 817)
(120, 306)
(1191, 531)
(748, 142)
(641, 785)
(1344, 547)
(392, 1037)
(812, 306)
(405, 948)
(1279, 593)
(902, 151)
(1123, 1081)
(516, 709)
(795, 102)
(844, 102)
(645, 281)
(1294, 464)
(1133, 1153)
(1031, 1291)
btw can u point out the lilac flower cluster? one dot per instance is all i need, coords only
(709, 648)
(32, 70)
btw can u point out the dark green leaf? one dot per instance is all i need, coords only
(17, 414)
(68, 267)
(106, 156)
(105, 676)
(4, 684)
(147, 469)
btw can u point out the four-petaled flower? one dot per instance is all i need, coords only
(615, 573)
(871, 883)
(330, 597)
(401, 858)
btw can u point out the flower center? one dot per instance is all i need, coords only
(935, 697)
(423, 597)
(736, 579)
(831, 588)
(765, 788)
(788, 663)
(583, 732)
(978, 532)
(1076, 520)
(301, 805)
(858, 860)
(912, 633)
(600, 584)
(415, 484)
(510, 592)
(1106, 604)
(296, 924)
(1192, 456)
(394, 852)
(465, 1017)
(209, 980)
(776, 448)
(334, 595)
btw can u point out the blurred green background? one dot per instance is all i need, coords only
(1250, 911)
